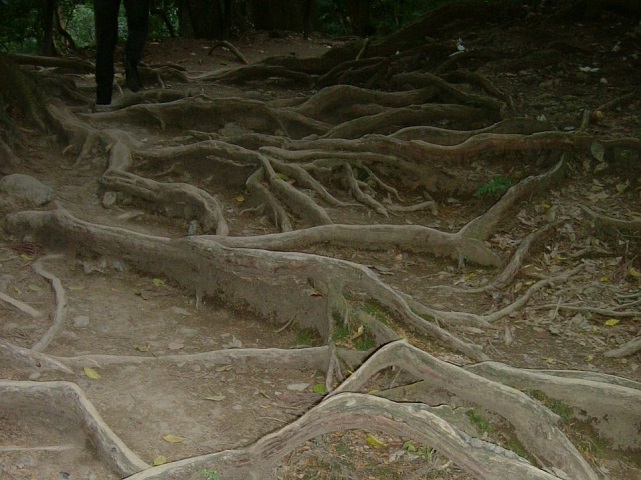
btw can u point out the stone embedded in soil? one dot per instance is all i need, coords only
(26, 188)
(298, 387)
(81, 321)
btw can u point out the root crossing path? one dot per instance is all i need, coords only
(404, 257)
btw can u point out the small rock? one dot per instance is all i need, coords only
(25, 461)
(35, 376)
(235, 343)
(81, 321)
(554, 329)
(188, 331)
(298, 387)
(118, 265)
(180, 311)
(24, 187)
(175, 345)
(109, 199)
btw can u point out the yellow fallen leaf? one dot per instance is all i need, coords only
(26, 257)
(160, 460)
(374, 442)
(550, 361)
(604, 279)
(142, 348)
(76, 287)
(173, 438)
(158, 282)
(589, 358)
(91, 373)
(611, 322)
(33, 288)
(633, 272)
(224, 368)
(240, 198)
(358, 333)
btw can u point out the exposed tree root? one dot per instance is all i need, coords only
(203, 265)
(356, 411)
(60, 313)
(609, 225)
(367, 139)
(513, 267)
(312, 358)
(26, 359)
(611, 409)
(177, 199)
(630, 348)
(534, 424)
(231, 48)
(68, 400)
(67, 64)
(23, 307)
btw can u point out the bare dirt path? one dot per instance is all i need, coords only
(228, 246)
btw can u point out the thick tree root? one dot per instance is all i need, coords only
(203, 265)
(348, 411)
(71, 401)
(534, 424)
(20, 358)
(613, 410)
(181, 200)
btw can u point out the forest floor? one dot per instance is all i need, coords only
(176, 409)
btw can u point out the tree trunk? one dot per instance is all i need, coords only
(205, 19)
(360, 17)
(48, 12)
(280, 14)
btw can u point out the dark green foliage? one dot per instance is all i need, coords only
(495, 187)
(21, 24)
(479, 421)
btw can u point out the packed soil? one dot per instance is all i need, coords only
(552, 71)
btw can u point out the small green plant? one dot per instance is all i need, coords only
(209, 475)
(518, 448)
(479, 421)
(307, 336)
(341, 332)
(422, 451)
(376, 311)
(563, 410)
(497, 186)
(365, 342)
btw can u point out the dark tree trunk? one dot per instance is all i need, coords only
(359, 12)
(280, 14)
(48, 12)
(209, 19)
(308, 16)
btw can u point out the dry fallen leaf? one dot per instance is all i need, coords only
(173, 438)
(374, 442)
(91, 373)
